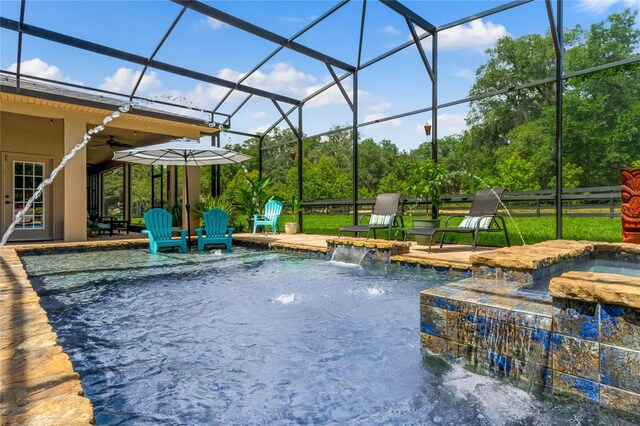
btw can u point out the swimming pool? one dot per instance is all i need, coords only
(256, 337)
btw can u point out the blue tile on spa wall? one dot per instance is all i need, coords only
(620, 326)
(575, 356)
(620, 368)
(576, 385)
(433, 321)
(575, 318)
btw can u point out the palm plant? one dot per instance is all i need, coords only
(254, 198)
(207, 202)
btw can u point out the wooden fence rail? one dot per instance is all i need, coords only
(601, 201)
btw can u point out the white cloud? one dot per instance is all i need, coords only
(390, 29)
(448, 124)
(259, 129)
(476, 35)
(333, 96)
(36, 67)
(282, 78)
(601, 6)
(215, 24)
(124, 79)
(465, 73)
(396, 122)
(259, 115)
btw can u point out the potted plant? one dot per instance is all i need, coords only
(253, 198)
(93, 228)
(292, 227)
(425, 183)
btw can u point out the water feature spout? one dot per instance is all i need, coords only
(48, 181)
(351, 254)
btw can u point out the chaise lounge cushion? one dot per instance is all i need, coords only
(381, 219)
(473, 222)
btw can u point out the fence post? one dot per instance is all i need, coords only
(538, 207)
(611, 208)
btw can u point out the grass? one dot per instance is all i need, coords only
(533, 229)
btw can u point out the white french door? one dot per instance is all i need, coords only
(22, 175)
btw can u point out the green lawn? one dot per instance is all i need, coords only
(534, 230)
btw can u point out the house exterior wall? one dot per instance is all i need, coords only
(22, 134)
(33, 126)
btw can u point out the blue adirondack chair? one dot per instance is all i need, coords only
(158, 223)
(270, 217)
(216, 230)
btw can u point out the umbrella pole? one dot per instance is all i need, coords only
(187, 205)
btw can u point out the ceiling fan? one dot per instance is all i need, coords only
(113, 144)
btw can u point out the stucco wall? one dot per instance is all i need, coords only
(50, 128)
(23, 134)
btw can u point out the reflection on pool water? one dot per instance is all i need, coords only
(256, 337)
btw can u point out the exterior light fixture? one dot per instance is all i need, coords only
(292, 154)
(427, 129)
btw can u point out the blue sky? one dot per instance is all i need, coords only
(395, 85)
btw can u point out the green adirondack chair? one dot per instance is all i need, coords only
(158, 223)
(216, 230)
(270, 217)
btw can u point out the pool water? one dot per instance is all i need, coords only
(256, 337)
(603, 266)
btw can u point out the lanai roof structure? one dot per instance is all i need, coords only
(237, 91)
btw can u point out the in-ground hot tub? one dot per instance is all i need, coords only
(581, 337)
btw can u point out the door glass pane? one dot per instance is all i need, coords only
(27, 176)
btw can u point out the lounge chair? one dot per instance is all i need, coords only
(482, 217)
(216, 230)
(384, 216)
(270, 217)
(158, 223)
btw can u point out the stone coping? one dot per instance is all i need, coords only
(37, 382)
(611, 289)
(276, 244)
(394, 246)
(540, 255)
(532, 257)
(62, 247)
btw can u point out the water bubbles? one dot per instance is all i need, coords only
(285, 299)
(373, 292)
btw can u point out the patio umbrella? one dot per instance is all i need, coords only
(176, 152)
